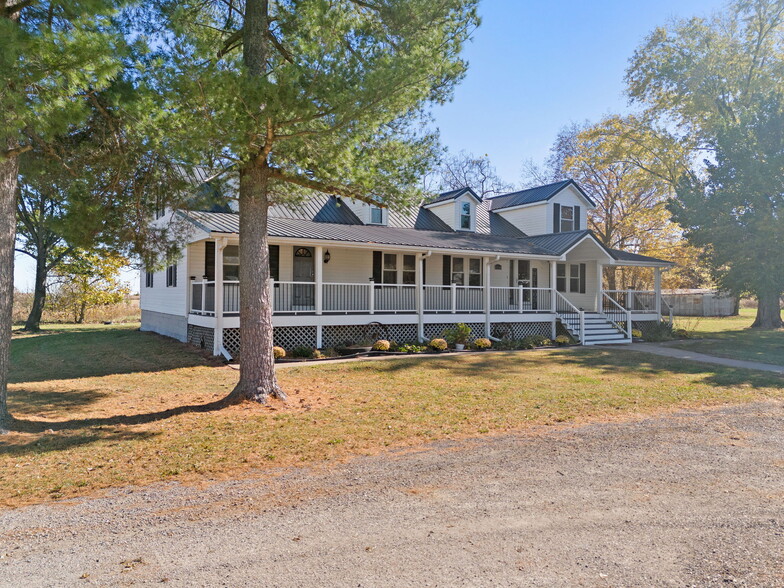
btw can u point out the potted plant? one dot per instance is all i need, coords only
(458, 335)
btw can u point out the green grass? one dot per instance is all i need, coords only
(105, 407)
(732, 337)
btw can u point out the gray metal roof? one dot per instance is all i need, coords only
(318, 208)
(559, 242)
(533, 195)
(452, 195)
(627, 256)
(219, 222)
(416, 218)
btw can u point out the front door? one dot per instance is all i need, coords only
(304, 271)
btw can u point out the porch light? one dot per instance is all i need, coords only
(327, 256)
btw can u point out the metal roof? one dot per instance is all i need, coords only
(452, 195)
(559, 242)
(219, 222)
(627, 256)
(533, 195)
(318, 208)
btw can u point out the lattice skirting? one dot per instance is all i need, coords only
(436, 331)
(231, 341)
(520, 330)
(644, 326)
(339, 335)
(202, 337)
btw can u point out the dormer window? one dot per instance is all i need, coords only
(567, 218)
(376, 215)
(465, 216)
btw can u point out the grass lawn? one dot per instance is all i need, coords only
(731, 337)
(103, 407)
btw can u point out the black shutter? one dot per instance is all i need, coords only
(556, 218)
(274, 262)
(424, 272)
(582, 278)
(377, 260)
(576, 218)
(447, 276)
(209, 260)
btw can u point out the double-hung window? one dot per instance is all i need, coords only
(567, 218)
(376, 215)
(574, 277)
(171, 276)
(474, 272)
(389, 275)
(465, 216)
(560, 277)
(409, 269)
(231, 263)
(458, 271)
(148, 279)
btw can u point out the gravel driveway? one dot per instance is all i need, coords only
(694, 498)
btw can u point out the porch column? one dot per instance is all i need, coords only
(486, 292)
(420, 297)
(657, 287)
(319, 267)
(553, 305)
(599, 290)
(217, 339)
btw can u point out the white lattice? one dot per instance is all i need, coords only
(291, 337)
(231, 341)
(519, 330)
(201, 337)
(645, 326)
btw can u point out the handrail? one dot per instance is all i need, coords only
(669, 309)
(564, 307)
(618, 316)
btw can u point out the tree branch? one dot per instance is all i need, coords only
(324, 187)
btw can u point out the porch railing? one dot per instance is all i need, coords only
(290, 297)
(621, 317)
(634, 300)
(571, 315)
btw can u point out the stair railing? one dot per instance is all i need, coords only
(666, 306)
(617, 314)
(566, 309)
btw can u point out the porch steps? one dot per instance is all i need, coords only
(599, 330)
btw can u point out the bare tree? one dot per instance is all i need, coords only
(468, 170)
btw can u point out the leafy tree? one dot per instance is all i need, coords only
(88, 279)
(51, 52)
(300, 96)
(711, 81)
(466, 169)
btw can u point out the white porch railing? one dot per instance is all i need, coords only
(634, 300)
(369, 298)
(621, 317)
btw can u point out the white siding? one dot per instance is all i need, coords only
(166, 299)
(531, 220)
(353, 266)
(446, 212)
(568, 197)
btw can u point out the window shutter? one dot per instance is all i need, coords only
(274, 262)
(556, 218)
(424, 272)
(209, 260)
(377, 276)
(582, 278)
(576, 218)
(447, 270)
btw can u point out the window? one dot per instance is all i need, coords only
(171, 276)
(567, 218)
(560, 277)
(148, 279)
(574, 278)
(231, 263)
(376, 215)
(409, 269)
(465, 216)
(458, 273)
(160, 207)
(390, 268)
(474, 272)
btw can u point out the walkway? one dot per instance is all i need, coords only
(659, 349)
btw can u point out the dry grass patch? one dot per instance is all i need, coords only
(105, 407)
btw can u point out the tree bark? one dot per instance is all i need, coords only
(768, 311)
(33, 322)
(9, 172)
(257, 364)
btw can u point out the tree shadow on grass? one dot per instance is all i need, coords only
(69, 440)
(51, 401)
(99, 352)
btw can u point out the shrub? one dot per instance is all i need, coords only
(561, 340)
(637, 333)
(303, 351)
(278, 352)
(318, 355)
(482, 343)
(682, 334)
(438, 345)
(410, 348)
(539, 340)
(660, 332)
(381, 345)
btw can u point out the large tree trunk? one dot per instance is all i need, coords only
(9, 170)
(257, 364)
(33, 322)
(768, 311)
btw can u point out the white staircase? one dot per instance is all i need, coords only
(599, 330)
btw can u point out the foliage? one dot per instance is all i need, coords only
(562, 340)
(637, 333)
(661, 331)
(717, 82)
(278, 352)
(381, 345)
(482, 343)
(88, 280)
(459, 334)
(302, 352)
(438, 345)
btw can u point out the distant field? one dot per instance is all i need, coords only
(732, 337)
(109, 406)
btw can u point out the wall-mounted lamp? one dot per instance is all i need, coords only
(327, 256)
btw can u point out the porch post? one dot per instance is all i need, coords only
(217, 339)
(599, 276)
(420, 298)
(657, 286)
(486, 293)
(372, 297)
(319, 266)
(553, 305)
(454, 298)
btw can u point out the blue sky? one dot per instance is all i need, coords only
(534, 67)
